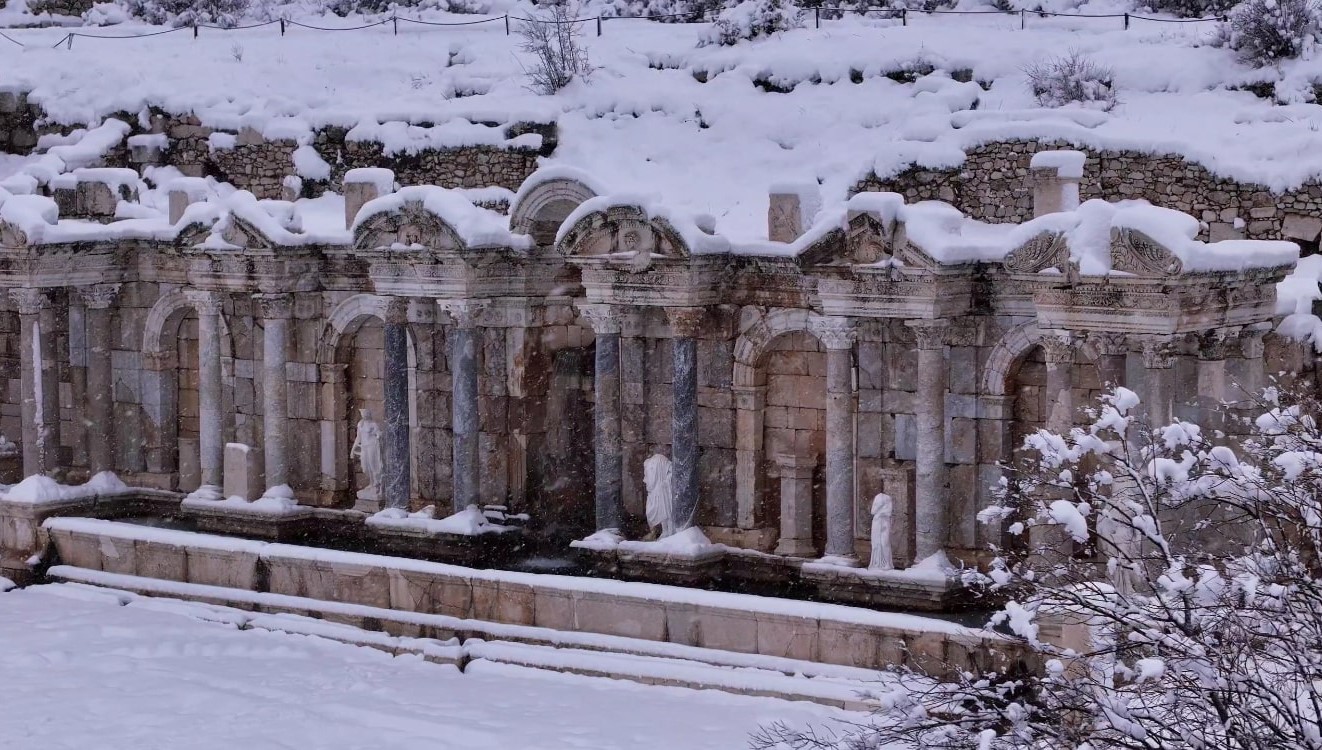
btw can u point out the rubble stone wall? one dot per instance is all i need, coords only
(992, 185)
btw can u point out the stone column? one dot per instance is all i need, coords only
(463, 408)
(1159, 372)
(39, 382)
(1110, 352)
(97, 299)
(210, 439)
(276, 310)
(1058, 351)
(1212, 385)
(685, 324)
(750, 409)
(607, 444)
(838, 335)
(932, 505)
(1252, 377)
(795, 474)
(395, 384)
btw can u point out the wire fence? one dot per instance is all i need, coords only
(819, 12)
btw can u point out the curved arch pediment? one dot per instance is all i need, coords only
(624, 230)
(411, 225)
(1135, 252)
(12, 236)
(540, 212)
(1039, 253)
(242, 233)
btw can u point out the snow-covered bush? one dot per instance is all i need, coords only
(1192, 8)
(1263, 32)
(1168, 586)
(1072, 79)
(554, 39)
(752, 19)
(225, 13)
(665, 11)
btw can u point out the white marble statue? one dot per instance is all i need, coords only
(882, 507)
(367, 449)
(660, 496)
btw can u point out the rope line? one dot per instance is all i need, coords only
(460, 23)
(15, 41)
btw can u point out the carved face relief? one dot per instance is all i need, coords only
(410, 234)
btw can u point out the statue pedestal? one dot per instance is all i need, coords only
(367, 500)
(472, 550)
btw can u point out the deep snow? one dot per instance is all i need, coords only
(87, 672)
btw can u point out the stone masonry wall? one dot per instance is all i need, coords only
(992, 185)
(74, 8)
(18, 122)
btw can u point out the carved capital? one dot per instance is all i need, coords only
(604, 319)
(685, 322)
(750, 397)
(1107, 344)
(464, 312)
(1213, 345)
(395, 310)
(929, 334)
(29, 301)
(275, 306)
(1250, 343)
(158, 361)
(205, 302)
(98, 296)
(835, 332)
(1058, 347)
(1159, 352)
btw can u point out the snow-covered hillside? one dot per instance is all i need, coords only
(707, 130)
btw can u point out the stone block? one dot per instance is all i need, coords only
(164, 562)
(618, 615)
(78, 549)
(225, 567)
(786, 636)
(727, 629)
(961, 441)
(553, 608)
(359, 584)
(118, 555)
(906, 437)
(242, 474)
(850, 645)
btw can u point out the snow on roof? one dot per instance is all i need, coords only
(475, 226)
(688, 227)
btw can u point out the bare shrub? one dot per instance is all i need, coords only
(555, 40)
(1264, 32)
(1071, 79)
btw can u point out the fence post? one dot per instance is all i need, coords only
(817, 16)
(598, 25)
(282, 27)
(507, 24)
(395, 21)
(1126, 22)
(194, 31)
(904, 16)
(1021, 19)
(70, 45)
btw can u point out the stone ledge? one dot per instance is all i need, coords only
(456, 549)
(222, 519)
(890, 589)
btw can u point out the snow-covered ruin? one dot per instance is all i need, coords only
(393, 351)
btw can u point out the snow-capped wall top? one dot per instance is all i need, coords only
(476, 227)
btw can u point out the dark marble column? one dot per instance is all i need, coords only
(685, 324)
(463, 407)
(838, 335)
(607, 444)
(396, 386)
(931, 501)
(97, 299)
(276, 310)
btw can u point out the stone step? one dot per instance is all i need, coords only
(449, 640)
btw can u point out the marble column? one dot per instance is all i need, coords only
(1159, 354)
(395, 384)
(750, 411)
(796, 474)
(838, 335)
(932, 503)
(463, 408)
(1252, 377)
(1110, 352)
(210, 439)
(607, 445)
(685, 324)
(97, 299)
(276, 310)
(39, 382)
(1212, 382)
(1058, 349)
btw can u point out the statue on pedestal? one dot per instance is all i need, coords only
(882, 507)
(367, 449)
(660, 495)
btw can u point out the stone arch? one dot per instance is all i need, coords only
(543, 205)
(623, 228)
(337, 423)
(160, 380)
(751, 346)
(1005, 355)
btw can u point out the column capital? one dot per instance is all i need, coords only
(1250, 340)
(834, 332)
(204, 301)
(29, 301)
(603, 318)
(749, 397)
(1107, 343)
(464, 312)
(395, 310)
(930, 334)
(1212, 345)
(275, 306)
(1058, 347)
(98, 296)
(685, 322)
(1159, 352)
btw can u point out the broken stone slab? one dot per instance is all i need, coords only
(183, 192)
(791, 210)
(148, 149)
(242, 477)
(363, 185)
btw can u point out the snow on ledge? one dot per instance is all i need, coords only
(689, 544)
(477, 227)
(470, 521)
(39, 489)
(277, 502)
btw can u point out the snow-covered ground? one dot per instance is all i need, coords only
(82, 671)
(644, 124)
